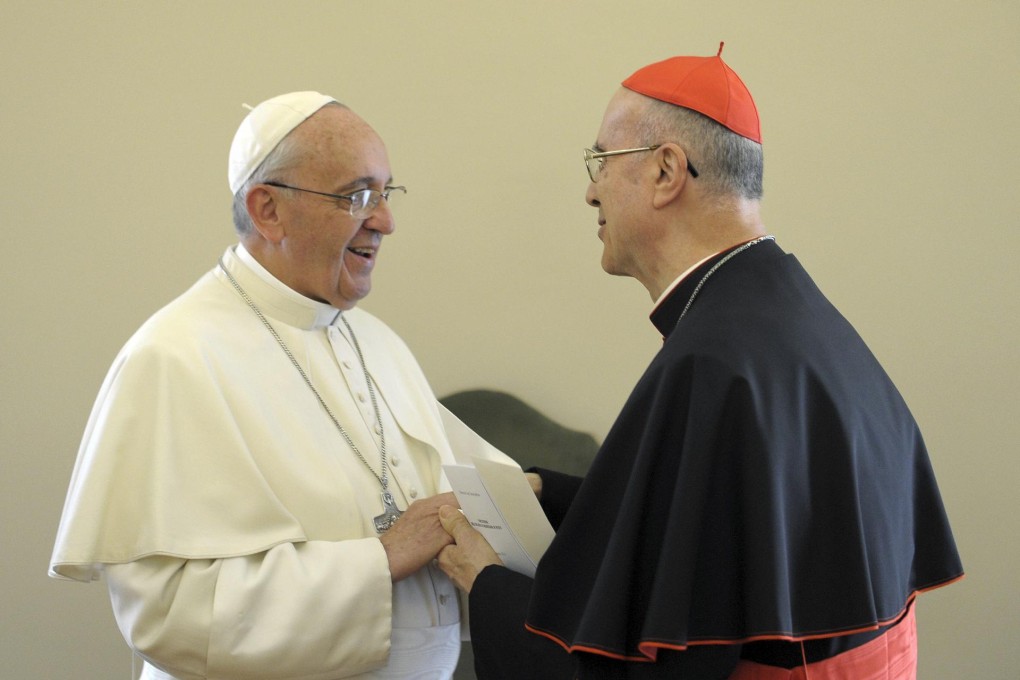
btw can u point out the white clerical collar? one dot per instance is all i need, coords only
(272, 296)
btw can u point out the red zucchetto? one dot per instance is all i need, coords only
(703, 84)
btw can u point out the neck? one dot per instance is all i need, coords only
(263, 253)
(703, 233)
(275, 260)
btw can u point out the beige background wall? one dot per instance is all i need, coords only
(892, 172)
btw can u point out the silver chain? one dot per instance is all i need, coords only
(384, 478)
(716, 266)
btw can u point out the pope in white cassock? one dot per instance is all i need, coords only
(260, 477)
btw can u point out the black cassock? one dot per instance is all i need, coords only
(764, 484)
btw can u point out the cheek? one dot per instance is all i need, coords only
(330, 241)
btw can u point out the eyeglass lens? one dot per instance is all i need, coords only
(364, 202)
(594, 166)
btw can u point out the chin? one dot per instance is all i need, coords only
(608, 266)
(350, 291)
(350, 299)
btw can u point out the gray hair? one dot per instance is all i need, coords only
(287, 155)
(727, 163)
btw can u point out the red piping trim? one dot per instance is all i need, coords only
(649, 650)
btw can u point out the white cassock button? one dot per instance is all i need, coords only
(346, 364)
(361, 397)
(377, 428)
(443, 599)
(395, 462)
(414, 492)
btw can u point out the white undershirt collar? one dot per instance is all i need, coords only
(678, 280)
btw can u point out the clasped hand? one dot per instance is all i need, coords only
(417, 537)
(470, 552)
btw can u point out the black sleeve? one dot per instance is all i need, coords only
(558, 491)
(503, 648)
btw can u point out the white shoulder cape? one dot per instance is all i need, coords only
(201, 446)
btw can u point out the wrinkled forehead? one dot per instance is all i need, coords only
(338, 146)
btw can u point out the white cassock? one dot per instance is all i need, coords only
(232, 521)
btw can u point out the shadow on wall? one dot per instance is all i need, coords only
(527, 436)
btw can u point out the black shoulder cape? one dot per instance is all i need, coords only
(764, 481)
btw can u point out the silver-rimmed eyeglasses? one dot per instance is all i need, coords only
(363, 202)
(595, 160)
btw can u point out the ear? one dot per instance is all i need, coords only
(265, 213)
(673, 174)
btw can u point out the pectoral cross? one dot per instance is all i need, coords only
(386, 520)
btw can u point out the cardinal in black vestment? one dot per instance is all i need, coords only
(764, 501)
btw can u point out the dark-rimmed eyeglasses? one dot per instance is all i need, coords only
(363, 202)
(595, 160)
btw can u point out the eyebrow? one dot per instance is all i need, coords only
(361, 182)
(597, 147)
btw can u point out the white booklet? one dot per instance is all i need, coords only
(496, 498)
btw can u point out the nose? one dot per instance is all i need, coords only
(590, 196)
(381, 219)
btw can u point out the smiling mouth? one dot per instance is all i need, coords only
(366, 253)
